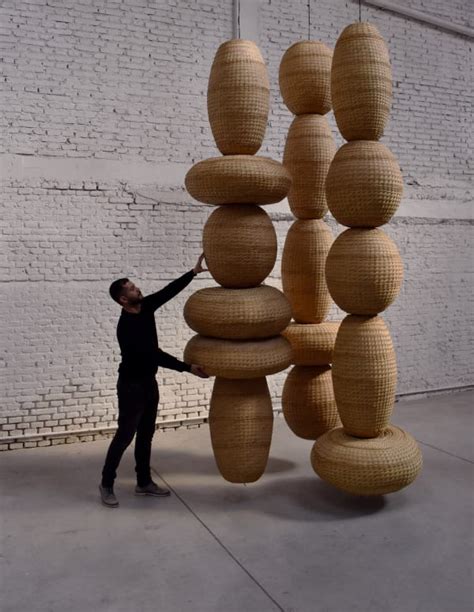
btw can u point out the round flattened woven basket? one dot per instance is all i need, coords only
(364, 271)
(309, 151)
(302, 270)
(305, 75)
(238, 314)
(364, 375)
(361, 82)
(238, 98)
(239, 358)
(240, 245)
(308, 401)
(364, 185)
(312, 344)
(374, 466)
(241, 423)
(238, 179)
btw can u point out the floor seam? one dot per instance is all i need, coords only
(444, 451)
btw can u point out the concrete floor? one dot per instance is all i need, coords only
(288, 542)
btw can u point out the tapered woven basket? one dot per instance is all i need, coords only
(239, 358)
(240, 245)
(364, 271)
(238, 314)
(309, 151)
(312, 344)
(305, 77)
(238, 98)
(364, 185)
(302, 270)
(308, 401)
(373, 466)
(361, 82)
(241, 424)
(364, 375)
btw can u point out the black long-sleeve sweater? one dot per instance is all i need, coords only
(138, 340)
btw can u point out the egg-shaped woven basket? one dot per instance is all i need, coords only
(312, 343)
(241, 424)
(308, 401)
(238, 98)
(361, 82)
(309, 151)
(364, 185)
(239, 358)
(240, 245)
(305, 77)
(238, 179)
(364, 271)
(238, 314)
(374, 466)
(304, 255)
(364, 375)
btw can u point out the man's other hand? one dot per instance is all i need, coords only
(198, 267)
(197, 370)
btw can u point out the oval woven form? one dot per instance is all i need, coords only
(239, 358)
(312, 344)
(238, 314)
(364, 271)
(240, 245)
(309, 151)
(241, 424)
(364, 185)
(238, 98)
(308, 401)
(361, 82)
(238, 179)
(364, 375)
(373, 466)
(305, 77)
(302, 270)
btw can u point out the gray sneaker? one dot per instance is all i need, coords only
(152, 489)
(108, 497)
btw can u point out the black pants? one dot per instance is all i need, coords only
(137, 403)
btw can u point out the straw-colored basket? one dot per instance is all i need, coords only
(361, 82)
(364, 271)
(238, 314)
(364, 375)
(305, 75)
(241, 423)
(239, 358)
(240, 245)
(238, 98)
(309, 151)
(364, 185)
(308, 401)
(373, 466)
(302, 270)
(312, 344)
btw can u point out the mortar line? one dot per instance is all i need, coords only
(445, 451)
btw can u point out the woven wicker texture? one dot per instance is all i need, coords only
(241, 423)
(308, 401)
(364, 185)
(361, 82)
(365, 375)
(238, 179)
(364, 271)
(309, 151)
(305, 78)
(240, 245)
(238, 314)
(238, 98)
(367, 467)
(302, 270)
(312, 344)
(239, 358)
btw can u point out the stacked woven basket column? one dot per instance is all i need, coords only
(239, 324)
(364, 271)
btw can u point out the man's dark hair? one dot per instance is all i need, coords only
(116, 288)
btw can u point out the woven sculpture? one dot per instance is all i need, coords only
(367, 456)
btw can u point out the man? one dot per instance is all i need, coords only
(137, 388)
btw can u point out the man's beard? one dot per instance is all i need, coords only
(135, 301)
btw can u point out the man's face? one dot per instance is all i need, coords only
(131, 294)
